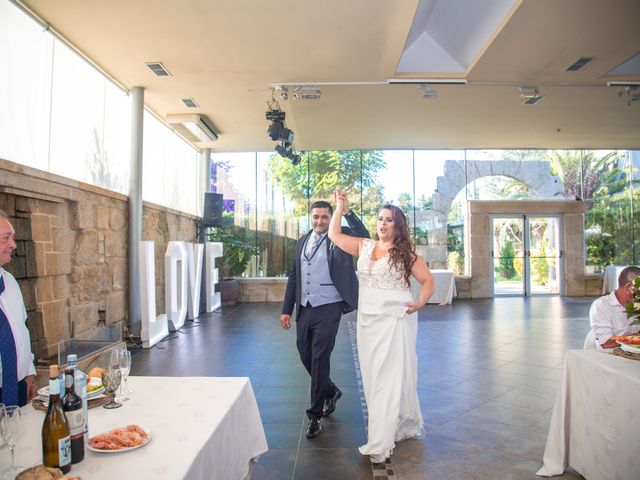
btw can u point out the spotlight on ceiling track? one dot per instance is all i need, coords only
(629, 90)
(282, 150)
(286, 151)
(427, 91)
(300, 93)
(277, 130)
(530, 95)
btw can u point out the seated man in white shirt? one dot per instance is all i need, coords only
(17, 373)
(608, 316)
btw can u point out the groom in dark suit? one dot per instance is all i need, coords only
(322, 286)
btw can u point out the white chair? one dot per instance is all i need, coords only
(590, 342)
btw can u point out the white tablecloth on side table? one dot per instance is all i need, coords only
(444, 287)
(610, 280)
(201, 428)
(595, 425)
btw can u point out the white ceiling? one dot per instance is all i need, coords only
(226, 53)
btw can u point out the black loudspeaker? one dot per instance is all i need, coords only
(213, 206)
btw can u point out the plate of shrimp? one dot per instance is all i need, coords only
(120, 439)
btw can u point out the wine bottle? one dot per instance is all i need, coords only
(56, 438)
(80, 384)
(72, 406)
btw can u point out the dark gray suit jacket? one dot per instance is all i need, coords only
(341, 269)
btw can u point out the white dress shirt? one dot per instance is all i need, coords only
(12, 305)
(609, 319)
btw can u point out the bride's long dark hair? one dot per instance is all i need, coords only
(402, 253)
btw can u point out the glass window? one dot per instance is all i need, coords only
(234, 175)
(608, 188)
(169, 168)
(117, 140)
(77, 118)
(439, 180)
(25, 88)
(278, 225)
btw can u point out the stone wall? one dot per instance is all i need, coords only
(163, 225)
(71, 261)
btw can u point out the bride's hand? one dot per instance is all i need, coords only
(342, 203)
(413, 307)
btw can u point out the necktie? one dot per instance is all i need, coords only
(9, 358)
(313, 244)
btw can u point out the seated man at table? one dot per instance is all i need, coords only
(608, 316)
(17, 373)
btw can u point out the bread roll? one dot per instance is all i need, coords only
(95, 372)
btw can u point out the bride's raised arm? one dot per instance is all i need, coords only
(346, 243)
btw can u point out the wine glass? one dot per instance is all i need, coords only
(111, 378)
(125, 368)
(11, 430)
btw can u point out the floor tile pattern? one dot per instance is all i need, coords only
(488, 374)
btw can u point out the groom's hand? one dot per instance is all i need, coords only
(285, 321)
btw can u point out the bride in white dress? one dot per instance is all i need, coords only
(387, 326)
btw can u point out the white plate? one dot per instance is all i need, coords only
(630, 348)
(44, 391)
(125, 449)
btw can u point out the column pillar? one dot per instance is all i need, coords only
(135, 207)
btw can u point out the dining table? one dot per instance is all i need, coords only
(595, 422)
(444, 288)
(199, 428)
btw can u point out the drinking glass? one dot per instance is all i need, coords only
(111, 381)
(125, 368)
(11, 430)
(111, 378)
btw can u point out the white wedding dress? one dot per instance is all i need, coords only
(387, 354)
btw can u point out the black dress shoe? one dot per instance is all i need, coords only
(315, 428)
(330, 403)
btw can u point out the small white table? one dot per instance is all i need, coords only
(610, 280)
(444, 287)
(201, 428)
(595, 422)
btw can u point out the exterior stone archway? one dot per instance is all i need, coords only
(457, 174)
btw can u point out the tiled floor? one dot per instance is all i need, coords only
(488, 372)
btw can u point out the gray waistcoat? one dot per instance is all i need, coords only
(317, 287)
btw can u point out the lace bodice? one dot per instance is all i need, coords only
(378, 273)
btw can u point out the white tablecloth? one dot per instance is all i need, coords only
(201, 428)
(595, 424)
(444, 288)
(610, 281)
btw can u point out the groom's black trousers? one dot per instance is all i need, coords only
(316, 331)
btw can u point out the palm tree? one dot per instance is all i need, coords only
(585, 174)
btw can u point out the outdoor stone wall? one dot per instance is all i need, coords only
(71, 261)
(262, 289)
(458, 174)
